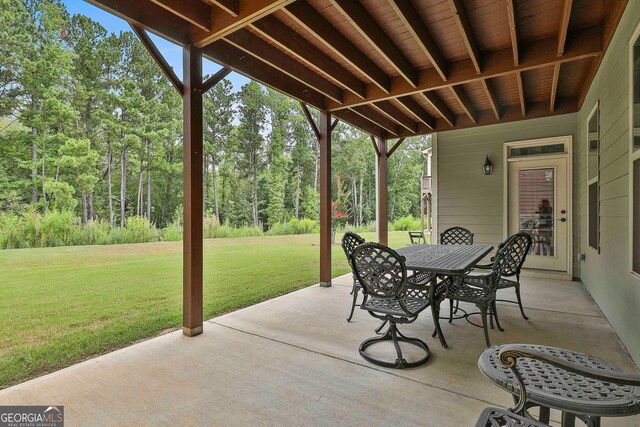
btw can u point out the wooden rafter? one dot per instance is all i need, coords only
(213, 80)
(158, 57)
(395, 146)
(513, 29)
(359, 122)
(312, 122)
(148, 16)
(409, 16)
(534, 55)
(232, 7)
(289, 41)
(438, 104)
(564, 26)
(523, 101)
(262, 50)
(491, 96)
(334, 124)
(378, 119)
(193, 11)
(554, 87)
(416, 109)
(223, 24)
(377, 37)
(316, 24)
(465, 30)
(389, 110)
(460, 95)
(236, 59)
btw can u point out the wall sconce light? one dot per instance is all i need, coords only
(487, 168)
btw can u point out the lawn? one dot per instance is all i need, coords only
(63, 305)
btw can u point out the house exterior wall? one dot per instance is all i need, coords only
(467, 198)
(606, 274)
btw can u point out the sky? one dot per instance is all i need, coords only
(171, 51)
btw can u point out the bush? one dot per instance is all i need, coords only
(408, 223)
(293, 226)
(11, 232)
(140, 230)
(172, 233)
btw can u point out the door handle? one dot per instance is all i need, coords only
(563, 219)
(563, 211)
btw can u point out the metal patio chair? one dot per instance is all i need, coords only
(521, 248)
(417, 237)
(581, 382)
(383, 275)
(456, 236)
(350, 241)
(480, 289)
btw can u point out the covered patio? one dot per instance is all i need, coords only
(293, 360)
(481, 77)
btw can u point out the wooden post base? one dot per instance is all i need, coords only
(325, 284)
(192, 332)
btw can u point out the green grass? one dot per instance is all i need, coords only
(62, 305)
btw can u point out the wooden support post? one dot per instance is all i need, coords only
(324, 132)
(381, 194)
(192, 192)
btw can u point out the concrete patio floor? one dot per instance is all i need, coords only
(294, 360)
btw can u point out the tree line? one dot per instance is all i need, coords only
(90, 125)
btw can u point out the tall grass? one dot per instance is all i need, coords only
(34, 229)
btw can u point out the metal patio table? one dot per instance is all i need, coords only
(443, 260)
(575, 395)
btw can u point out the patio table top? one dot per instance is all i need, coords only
(444, 259)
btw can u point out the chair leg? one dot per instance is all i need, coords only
(354, 291)
(494, 310)
(392, 334)
(520, 301)
(379, 328)
(435, 312)
(450, 311)
(483, 313)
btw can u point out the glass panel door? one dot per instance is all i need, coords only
(536, 203)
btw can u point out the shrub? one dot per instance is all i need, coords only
(293, 226)
(11, 232)
(172, 233)
(139, 230)
(407, 223)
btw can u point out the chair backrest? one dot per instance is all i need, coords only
(380, 270)
(519, 245)
(456, 236)
(350, 241)
(416, 237)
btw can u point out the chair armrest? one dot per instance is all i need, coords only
(483, 266)
(485, 281)
(510, 353)
(420, 278)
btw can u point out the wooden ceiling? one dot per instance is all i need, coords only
(398, 68)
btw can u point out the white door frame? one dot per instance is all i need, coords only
(567, 140)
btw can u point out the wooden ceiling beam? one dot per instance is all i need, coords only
(232, 7)
(411, 19)
(465, 30)
(223, 24)
(513, 29)
(583, 44)
(232, 57)
(263, 51)
(491, 96)
(215, 79)
(511, 113)
(554, 87)
(412, 106)
(390, 110)
(312, 123)
(193, 11)
(523, 101)
(359, 122)
(438, 104)
(564, 26)
(377, 37)
(291, 42)
(149, 17)
(396, 146)
(305, 15)
(372, 114)
(460, 95)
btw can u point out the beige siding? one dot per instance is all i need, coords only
(470, 199)
(606, 274)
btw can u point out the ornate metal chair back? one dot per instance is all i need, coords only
(519, 244)
(380, 270)
(350, 241)
(456, 236)
(416, 237)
